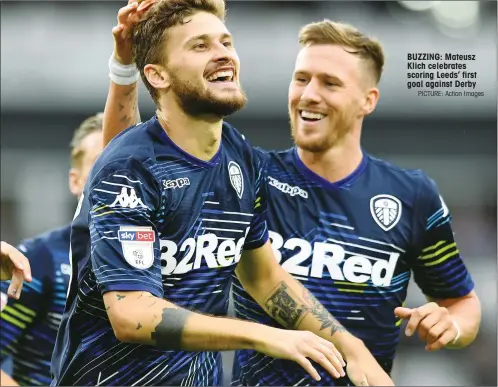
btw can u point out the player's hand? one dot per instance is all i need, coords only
(300, 346)
(128, 17)
(14, 266)
(365, 371)
(433, 323)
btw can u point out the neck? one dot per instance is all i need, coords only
(335, 163)
(198, 136)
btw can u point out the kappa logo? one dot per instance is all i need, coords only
(126, 200)
(286, 188)
(176, 183)
(385, 210)
(236, 178)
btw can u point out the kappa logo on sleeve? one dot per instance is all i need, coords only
(138, 245)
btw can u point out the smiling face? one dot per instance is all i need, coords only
(326, 96)
(333, 85)
(203, 67)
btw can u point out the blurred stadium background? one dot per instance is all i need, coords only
(54, 73)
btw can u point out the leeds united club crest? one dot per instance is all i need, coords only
(236, 178)
(386, 211)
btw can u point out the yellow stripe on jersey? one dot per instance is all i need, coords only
(450, 250)
(25, 310)
(12, 320)
(433, 247)
(99, 208)
(105, 213)
(438, 252)
(10, 310)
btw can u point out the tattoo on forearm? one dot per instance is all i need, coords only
(168, 333)
(318, 310)
(119, 297)
(108, 308)
(154, 303)
(289, 309)
(284, 308)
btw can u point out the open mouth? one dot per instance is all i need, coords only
(311, 116)
(221, 76)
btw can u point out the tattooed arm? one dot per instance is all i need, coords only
(121, 110)
(289, 302)
(140, 317)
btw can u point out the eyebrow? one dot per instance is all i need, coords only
(206, 37)
(320, 75)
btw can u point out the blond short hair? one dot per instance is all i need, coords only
(329, 32)
(90, 125)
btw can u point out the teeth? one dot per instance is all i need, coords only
(311, 115)
(220, 74)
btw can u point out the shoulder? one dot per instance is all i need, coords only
(415, 180)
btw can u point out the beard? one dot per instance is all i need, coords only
(197, 100)
(339, 125)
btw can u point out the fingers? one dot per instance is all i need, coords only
(334, 350)
(326, 360)
(126, 11)
(427, 324)
(417, 316)
(403, 312)
(308, 367)
(17, 258)
(15, 287)
(442, 341)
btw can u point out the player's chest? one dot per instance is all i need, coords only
(355, 238)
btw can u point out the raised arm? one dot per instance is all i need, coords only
(121, 108)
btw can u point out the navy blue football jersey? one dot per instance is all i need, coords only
(29, 325)
(159, 220)
(354, 244)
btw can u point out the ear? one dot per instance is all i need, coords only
(371, 99)
(74, 182)
(157, 76)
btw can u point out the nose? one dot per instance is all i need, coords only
(311, 93)
(223, 54)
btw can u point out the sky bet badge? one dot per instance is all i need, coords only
(138, 245)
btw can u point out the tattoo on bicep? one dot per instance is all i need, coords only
(140, 296)
(107, 308)
(139, 326)
(321, 314)
(168, 333)
(119, 297)
(152, 303)
(284, 308)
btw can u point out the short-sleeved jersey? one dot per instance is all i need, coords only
(156, 219)
(354, 244)
(29, 325)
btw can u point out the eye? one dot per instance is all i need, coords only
(300, 80)
(330, 84)
(200, 46)
(227, 44)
